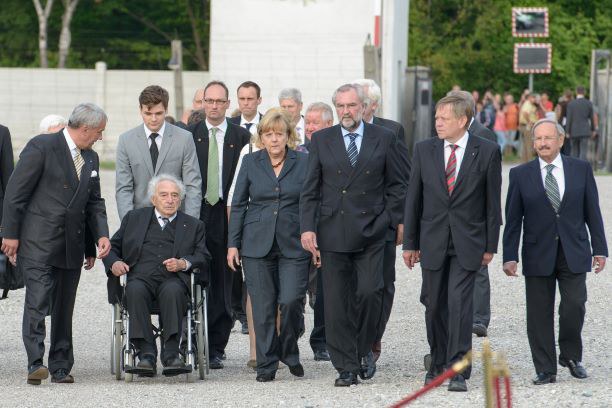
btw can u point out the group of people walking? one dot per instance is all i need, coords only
(283, 200)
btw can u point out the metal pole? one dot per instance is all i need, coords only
(176, 64)
(531, 75)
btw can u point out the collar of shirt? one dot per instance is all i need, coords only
(358, 131)
(299, 127)
(579, 96)
(159, 218)
(371, 121)
(462, 143)
(557, 162)
(222, 127)
(160, 132)
(71, 145)
(254, 121)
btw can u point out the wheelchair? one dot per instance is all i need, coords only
(194, 342)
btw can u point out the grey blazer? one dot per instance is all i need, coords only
(266, 207)
(134, 168)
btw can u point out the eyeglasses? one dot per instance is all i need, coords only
(545, 139)
(215, 101)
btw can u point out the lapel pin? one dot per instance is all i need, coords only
(199, 139)
(232, 146)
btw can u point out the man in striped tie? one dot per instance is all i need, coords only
(553, 199)
(452, 219)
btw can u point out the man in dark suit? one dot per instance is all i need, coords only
(9, 280)
(580, 124)
(396, 233)
(355, 181)
(218, 144)
(157, 247)
(553, 199)
(452, 219)
(53, 192)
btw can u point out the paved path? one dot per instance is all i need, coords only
(400, 369)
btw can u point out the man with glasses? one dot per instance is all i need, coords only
(218, 144)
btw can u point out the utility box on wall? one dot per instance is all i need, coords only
(417, 113)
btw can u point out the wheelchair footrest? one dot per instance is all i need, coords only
(140, 371)
(172, 371)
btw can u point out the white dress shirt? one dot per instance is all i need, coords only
(220, 136)
(358, 139)
(243, 152)
(71, 145)
(254, 121)
(459, 152)
(557, 172)
(299, 129)
(158, 139)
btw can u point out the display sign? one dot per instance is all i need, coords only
(530, 58)
(530, 22)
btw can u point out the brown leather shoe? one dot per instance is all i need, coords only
(61, 376)
(36, 374)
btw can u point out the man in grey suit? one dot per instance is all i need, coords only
(153, 148)
(580, 124)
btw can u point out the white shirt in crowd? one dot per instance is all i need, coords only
(243, 152)
(300, 128)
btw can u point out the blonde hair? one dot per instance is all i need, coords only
(278, 120)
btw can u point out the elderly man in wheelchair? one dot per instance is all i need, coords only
(157, 248)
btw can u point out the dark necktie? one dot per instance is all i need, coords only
(451, 170)
(552, 188)
(248, 126)
(165, 221)
(153, 149)
(352, 149)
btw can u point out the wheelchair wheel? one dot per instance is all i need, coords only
(200, 328)
(117, 346)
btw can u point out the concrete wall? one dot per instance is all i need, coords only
(29, 94)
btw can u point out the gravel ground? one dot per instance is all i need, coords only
(400, 368)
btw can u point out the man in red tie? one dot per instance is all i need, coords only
(452, 218)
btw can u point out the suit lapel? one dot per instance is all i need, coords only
(536, 179)
(469, 157)
(338, 151)
(289, 163)
(166, 146)
(369, 143)
(140, 233)
(143, 147)
(83, 183)
(181, 225)
(568, 176)
(230, 150)
(438, 161)
(64, 157)
(264, 162)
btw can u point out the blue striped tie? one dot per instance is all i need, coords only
(352, 149)
(552, 188)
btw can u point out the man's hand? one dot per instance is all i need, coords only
(104, 247)
(309, 242)
(120, 268)
(233, 258)
(486, 258)
(399, 238)
(411, 258)
(599, 262)
(13, 260)
(10, 246)
(89, 262)
(510, 268)
(175, 265)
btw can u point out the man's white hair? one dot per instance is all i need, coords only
(51, 121)
(152, 187)
(373, 93)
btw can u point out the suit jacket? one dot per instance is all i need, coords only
(527, 206)
(189, 241)
(46, 206)
(134, 168)
(6, 162)
(579, 118)
(235, 138)
(471, 215)
(357, 206)
(266, 207)
(480, 130)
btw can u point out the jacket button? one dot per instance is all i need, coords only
(199, 139)
(367, 171)
(556, 237)
(275, 212)
(341, 211)
(363, 212)
(343, 191)
(363, 192)
(275, 188)
(78, 231)
(558, 216)
(339, 171)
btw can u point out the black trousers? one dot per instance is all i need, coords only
(317, 336)
(353, 299)
(449, 295)
(540, 292)
(388, 292)
(275, 282)
(48, 290)
(220, 320)
(171, 295)
(482, 297)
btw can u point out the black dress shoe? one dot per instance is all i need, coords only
(146, 366)
(544, 378)
(479, 330)
(321, 355)
(346, 379)
(175, 366)
(457, 384)
(37, 373)
(62, 376)
(215, 363)
(265, 377)
(575, 368)
(245, 328)
(297, 370)
(368, 366)
(432, 373)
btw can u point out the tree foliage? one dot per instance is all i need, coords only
(470, 43)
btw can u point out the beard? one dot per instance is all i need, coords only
(350, 123)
